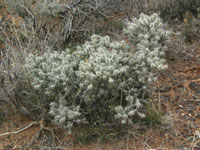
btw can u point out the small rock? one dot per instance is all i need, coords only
(180, 106)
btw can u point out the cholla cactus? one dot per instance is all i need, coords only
(103, 66)
(103, 70)
(53, 73)
(108, 79)
(66, 116)
(148, 34)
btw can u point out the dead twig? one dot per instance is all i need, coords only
(42, 129)
(21, 130)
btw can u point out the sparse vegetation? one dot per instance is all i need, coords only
(90, 67)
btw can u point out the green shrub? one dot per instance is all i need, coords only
(102, 82)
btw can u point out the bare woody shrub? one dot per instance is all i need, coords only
(60, 22)
(171, 10)
(16, 89)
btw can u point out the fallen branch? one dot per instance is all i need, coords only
(42, 128)
(16, 132)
